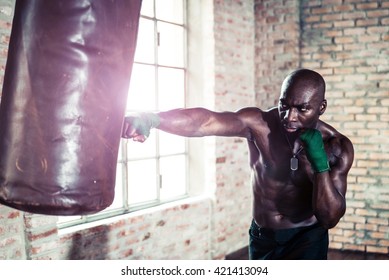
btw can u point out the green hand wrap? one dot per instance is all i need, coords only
(145, 122)
(314, 149)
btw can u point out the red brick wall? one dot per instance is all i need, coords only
(12, 237)
(6, 13)
(277, 47)
(234, 88)
(174, 232)
(255, 47)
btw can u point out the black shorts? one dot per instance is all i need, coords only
(302, 243)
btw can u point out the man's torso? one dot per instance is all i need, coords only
(283, 197)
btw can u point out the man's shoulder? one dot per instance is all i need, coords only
(338, 142)
(253, 109)
(328, 131)
(258, 115)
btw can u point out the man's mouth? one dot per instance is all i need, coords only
(290, 129)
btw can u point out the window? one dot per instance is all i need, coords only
(153, 172)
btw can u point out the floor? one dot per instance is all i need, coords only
(350, 255)
(242, 254)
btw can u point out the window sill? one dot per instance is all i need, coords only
(141, 212)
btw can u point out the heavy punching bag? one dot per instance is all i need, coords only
(63, 103)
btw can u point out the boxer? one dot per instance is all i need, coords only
(299, 164)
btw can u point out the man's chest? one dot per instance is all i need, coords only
(278, 160)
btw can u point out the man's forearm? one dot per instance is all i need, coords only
(185, 122)
(328, 203)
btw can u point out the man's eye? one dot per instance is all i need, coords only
(303, 109)
(283, 106)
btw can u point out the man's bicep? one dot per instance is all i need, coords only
(232, 124)
(228, 124)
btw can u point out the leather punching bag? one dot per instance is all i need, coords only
(63, 103)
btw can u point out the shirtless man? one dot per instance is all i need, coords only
(299, 164)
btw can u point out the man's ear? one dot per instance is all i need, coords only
(323, 107)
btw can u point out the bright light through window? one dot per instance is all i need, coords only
(155, 171)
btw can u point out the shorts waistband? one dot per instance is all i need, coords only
(279, 234)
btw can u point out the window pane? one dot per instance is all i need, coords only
(120, 152)
(171, 45)
(173, 172)
(136, 150)
(144, 51)
(147, 8)
(171, 88)
(141, 96)
(171, 144)
(170, 10)
(143, 181)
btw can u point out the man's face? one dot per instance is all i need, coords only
(299, 106)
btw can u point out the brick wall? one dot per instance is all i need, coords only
(164, 233)
(6, 14)
(256, 43)
(234, 88)
(277, 47)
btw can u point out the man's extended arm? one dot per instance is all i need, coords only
(193, 122)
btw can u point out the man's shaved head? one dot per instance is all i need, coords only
(308, 79)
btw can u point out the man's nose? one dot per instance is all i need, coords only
(291, 115)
